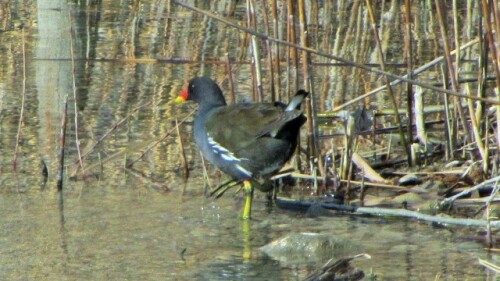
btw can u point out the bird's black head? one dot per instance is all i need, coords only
(203, 91)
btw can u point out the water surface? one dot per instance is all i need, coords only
(114, 223)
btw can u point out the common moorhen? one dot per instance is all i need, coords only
(247, 141)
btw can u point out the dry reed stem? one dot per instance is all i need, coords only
(73, 84)
(252, 23)
(494, 52)
(388, 82)
(182, 153)
(488, 208)
(416, 72)
(476, 114)
(409, 64)
(115, 126)
(62, 138)
(293, 60)
(329, 56)
(269, 55)
(232, 97)
(419, 115)
(155, 143)
(311, 107)
(451, 69)
(23, 98)
(491, 266)
(450, 124)
(276, 51)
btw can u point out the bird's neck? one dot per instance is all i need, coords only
(205, 108)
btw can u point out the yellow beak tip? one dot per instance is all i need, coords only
(179, 99)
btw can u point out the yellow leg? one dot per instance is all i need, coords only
(247, 249)
(247, 186)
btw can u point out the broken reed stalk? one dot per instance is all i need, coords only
(152, 145)
(388, 82)
(409, 63)
(346, 156)
(493, 42)
(62, 141)
(182, 152)
(452, 73)
(349, 148)
(73, 74)
(420, 115)
(23, 98)
(333, 57)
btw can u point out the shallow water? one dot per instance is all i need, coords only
(115, 223)
(131, 232)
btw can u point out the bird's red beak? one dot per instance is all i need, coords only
(183, 96)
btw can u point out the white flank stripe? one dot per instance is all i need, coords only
(224, 153)
(243, 170)
(226, 157)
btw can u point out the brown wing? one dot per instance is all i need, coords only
(238, 126)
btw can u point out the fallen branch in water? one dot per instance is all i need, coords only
(425, 217)
(450, 200)
(294, 204)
